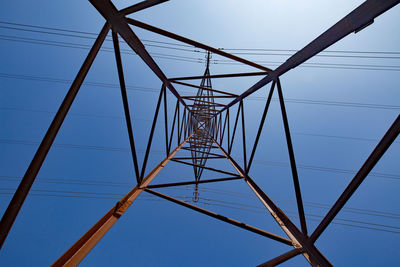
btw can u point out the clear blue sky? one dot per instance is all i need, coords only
(336, 115)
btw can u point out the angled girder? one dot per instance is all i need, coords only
(356, 20)
(194, 43)
(201, 126)
(118, 23)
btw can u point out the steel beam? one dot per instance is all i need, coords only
(299, 240)
(140, 6)
(293, 167)
(281, 258)
(203, 167)
(205, 88)
(30, 175)
(357, 19)
(194, 43)
(125, 104)
(217, 76)
(222, 218)
(195, 182)
(75, 254)
(271, 91)
(373, 158)
(117, 22)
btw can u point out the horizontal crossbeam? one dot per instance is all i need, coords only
(222, 218)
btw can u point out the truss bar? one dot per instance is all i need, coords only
(373, 158)
(202, 107)
(203, 147)
(30, 175)
(244, 140)
(219, 157)
(195, 182)
(207, 96)
(271, 91)
(222, 218)
(125, 103)
(209, 153)
(178, 135)
(295, 176)
(110, 13)
(166, 122)
(234, 129)
(194, 43)
(208, 102)
(281, 258)
(359, 18)
(229, 130)
(140, 6)
(201, 143)
(153, 126)
(223, 131)
(216, 76)
(299, 240)
(75, 254)
(204, 167)
(173, 125)
(205, 88)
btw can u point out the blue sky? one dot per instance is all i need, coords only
(336, 117)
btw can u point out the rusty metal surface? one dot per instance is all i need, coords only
(201, 124)
(30, 175)
(77, 252)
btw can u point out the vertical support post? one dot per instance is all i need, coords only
(244, 139)
(166, 122)
(271, 91)
(78, 251)
(223, 131)
(373, 158)
(229, 130)
(30, 175)
(153, 126)
(178, 129)
(234, 128)
(173, 125)
(125, 103)
(292, 161)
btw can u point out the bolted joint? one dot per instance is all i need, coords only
(121, 207)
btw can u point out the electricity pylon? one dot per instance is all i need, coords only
(201, 130)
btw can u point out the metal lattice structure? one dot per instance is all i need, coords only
(204, 129)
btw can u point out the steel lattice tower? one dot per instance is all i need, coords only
(201, 130)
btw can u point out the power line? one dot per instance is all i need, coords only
(335, 221)
(306, 203)
(390, 68)
(319, 55)
(325, 51)
(113, 183)
(256, 161)
(196, 60)
(185, 45)
(202, 189)
(235, 204)
(148, 89)
(87, 47)
(148, 120)
(226, 204)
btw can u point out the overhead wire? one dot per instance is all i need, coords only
(203, 189)
(155, 90)
(187, 58)
(393, 177)
(92, 36)
(206, 201)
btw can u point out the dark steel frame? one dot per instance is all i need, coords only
(203, 125)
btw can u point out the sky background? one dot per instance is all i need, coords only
(337, 115)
